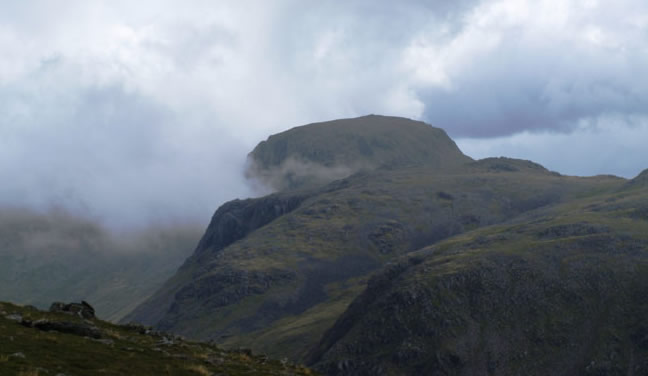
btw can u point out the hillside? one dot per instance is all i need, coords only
(45, 343)
(560, 291)
(276, 273)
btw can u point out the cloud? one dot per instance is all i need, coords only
(134, 113)
(609, 146)
(110, 153)
(534, 66)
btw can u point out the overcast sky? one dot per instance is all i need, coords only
(133, 110)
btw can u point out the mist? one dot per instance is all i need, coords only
(147, 119)
(58, 256)
(293, 172)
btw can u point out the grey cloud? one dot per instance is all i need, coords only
(545, 82)
(504, 96)
(150, 115)
(112, 154)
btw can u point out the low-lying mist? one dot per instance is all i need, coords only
(58, 256)
(293, 173)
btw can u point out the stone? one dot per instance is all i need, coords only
(83, 309)
(79, 329)
(14, 317)
(105, 341)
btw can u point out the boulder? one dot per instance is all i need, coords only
(79, 329)
(82, 309)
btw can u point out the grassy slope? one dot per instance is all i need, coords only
(124, 351)
(558, 291)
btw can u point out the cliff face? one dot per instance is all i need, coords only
(235, 219)
(231, 222)
(441, 263)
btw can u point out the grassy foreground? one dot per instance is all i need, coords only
(109, 349)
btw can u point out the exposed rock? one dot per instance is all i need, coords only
(14, 317)
(18, 355)
(235, 219)
(166, 341)
(82, 309)
(79, 329)
(105, 341)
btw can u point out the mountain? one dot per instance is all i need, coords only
(395, 266)
(55, 343)
(58, 256)
(559, 291)
(318, 153)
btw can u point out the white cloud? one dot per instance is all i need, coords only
(132, 111)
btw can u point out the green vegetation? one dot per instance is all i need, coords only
(119, 350)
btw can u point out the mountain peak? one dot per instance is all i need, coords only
(321, 152)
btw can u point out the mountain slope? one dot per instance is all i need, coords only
(298, 258)
(561, 291)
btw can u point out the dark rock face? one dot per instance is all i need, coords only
(231, 222)
(82, 309)
(235, 219)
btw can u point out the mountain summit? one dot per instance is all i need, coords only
(321, 152)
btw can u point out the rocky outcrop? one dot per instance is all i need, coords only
(235, 219)
(232, 221)
(83, 309)
(77, 328)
